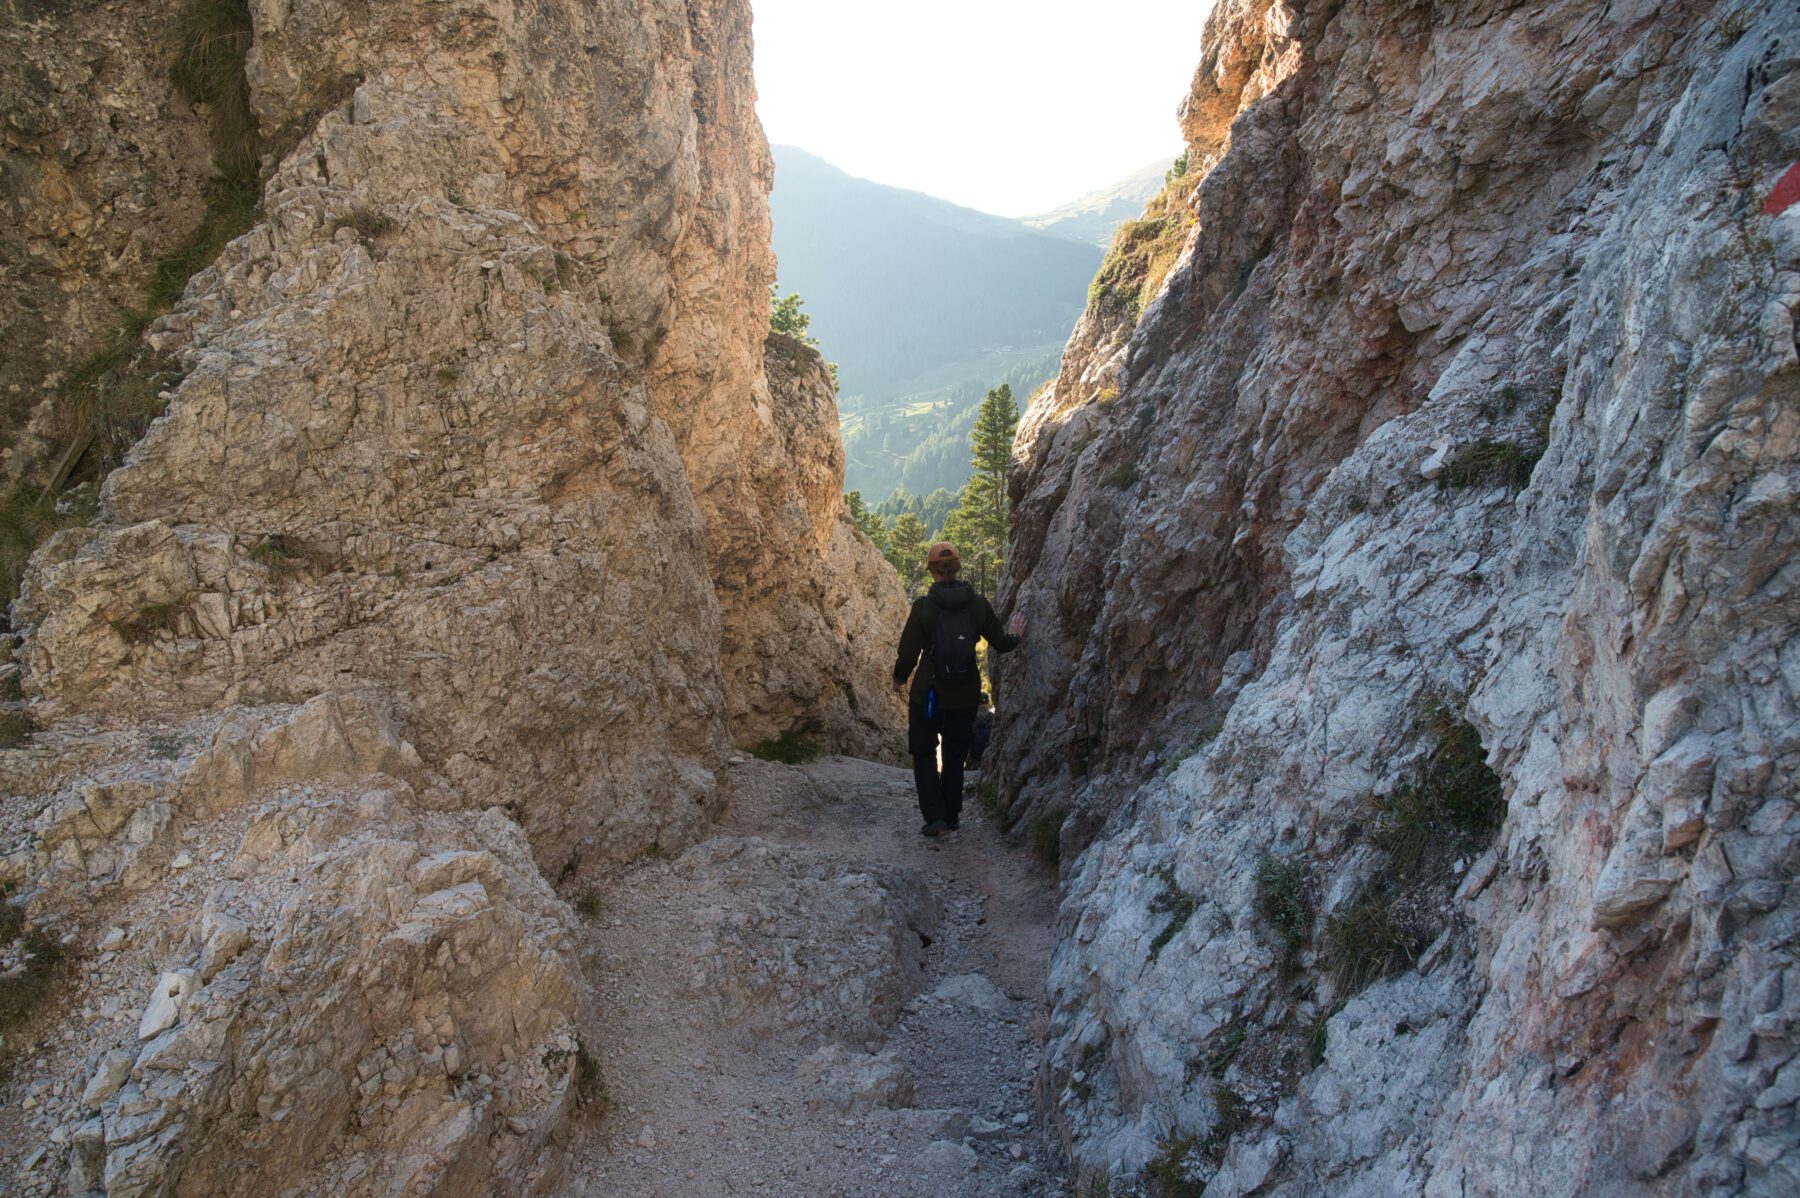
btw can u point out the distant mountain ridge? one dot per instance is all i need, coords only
(921, 302)
(1094, 216)
(898, 282)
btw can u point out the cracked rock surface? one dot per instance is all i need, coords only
(1474, 389)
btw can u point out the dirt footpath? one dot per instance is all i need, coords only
(820, 1001)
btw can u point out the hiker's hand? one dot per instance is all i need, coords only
(1016, 625)
(899, 686)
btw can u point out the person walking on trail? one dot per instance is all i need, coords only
(939, 639)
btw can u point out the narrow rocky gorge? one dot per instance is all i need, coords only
(1412, 565)
(1408, 543)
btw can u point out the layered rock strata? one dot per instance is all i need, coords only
(474, 535)
(1469, 411)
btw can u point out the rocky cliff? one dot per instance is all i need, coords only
(1412, 574)
(106, 169)
(480, 524)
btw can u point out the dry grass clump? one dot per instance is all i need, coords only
(1143, 251)
(790, 748)
(30, 959)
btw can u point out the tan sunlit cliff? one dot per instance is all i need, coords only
(474, 536)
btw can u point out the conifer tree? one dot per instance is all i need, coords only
(786, 317)
(983, 518)
(866, 520)
(906, 550)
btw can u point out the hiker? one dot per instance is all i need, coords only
(984, 731)
(940, 640)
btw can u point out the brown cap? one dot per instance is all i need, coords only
(943, 553)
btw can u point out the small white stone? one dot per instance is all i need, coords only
(168, 999)
(115, 936)
(115, 1067)
(182, 860)
(1433, 466)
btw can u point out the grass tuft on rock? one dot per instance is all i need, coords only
(288, 557)
(1448, 809)
(26, 521)
(1175, 902)
(1222, 1053)
(1168, 1172)
(1364, 942)
(1283, 899)
(211, 40)
(1454, 795)
(993, 804)
(30, 959)
(368, 224)
(1044, 835)
(152, 620)
(1497, 463)
(790, 748)
(591, 1094)
(16, 727)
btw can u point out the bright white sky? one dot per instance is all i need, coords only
(1009, 106)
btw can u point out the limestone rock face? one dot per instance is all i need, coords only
(475, 533)
(1473, 391)
(105, 171)
(478, 412)
(340, 976)
(822, 610)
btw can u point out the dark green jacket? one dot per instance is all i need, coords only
(920, 636)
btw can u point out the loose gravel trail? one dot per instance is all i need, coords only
(820, 1001)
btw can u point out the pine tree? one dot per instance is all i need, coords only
(906, 550)
(866, 520)
(786, 317)
(983, 518)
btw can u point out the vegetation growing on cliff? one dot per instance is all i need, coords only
(1447, 811)
(786, 318)
(1143, 251)
(30, 959)
(113, 394)
(790, 748)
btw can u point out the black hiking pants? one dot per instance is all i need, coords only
(940, 790)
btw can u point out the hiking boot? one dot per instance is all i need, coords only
(951, 825)
(936, 827)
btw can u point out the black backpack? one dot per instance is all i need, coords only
(953, 653)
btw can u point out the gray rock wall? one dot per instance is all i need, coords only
(1472, 397)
